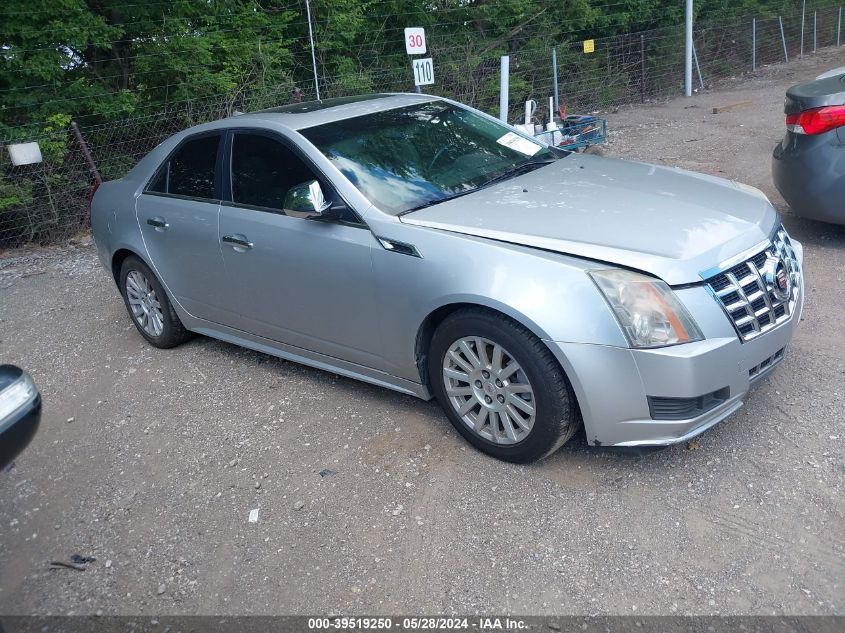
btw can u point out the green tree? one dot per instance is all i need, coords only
(104, 60)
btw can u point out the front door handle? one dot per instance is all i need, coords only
(158, 223)
(239, 242)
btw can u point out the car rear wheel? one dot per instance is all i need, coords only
(148, 305)
(501, 387)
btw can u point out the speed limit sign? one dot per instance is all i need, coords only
(423, 72)
(415, 40)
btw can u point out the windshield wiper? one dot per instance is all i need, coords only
(522, 168)
(431, 203)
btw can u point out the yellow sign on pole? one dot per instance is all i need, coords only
(589, 46)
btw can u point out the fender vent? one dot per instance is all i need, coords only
(399, 247)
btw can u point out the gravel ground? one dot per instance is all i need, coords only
(151, 460)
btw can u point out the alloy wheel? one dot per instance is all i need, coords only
(489, 390)
(144, 304)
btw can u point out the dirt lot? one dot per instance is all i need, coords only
(150, 461)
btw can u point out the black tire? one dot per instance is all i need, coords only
(557, 417)
(173, 332)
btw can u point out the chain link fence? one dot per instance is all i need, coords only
(48, 201)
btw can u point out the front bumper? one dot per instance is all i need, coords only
(613, 384)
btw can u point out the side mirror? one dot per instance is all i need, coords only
(20, 412)
(306, 200)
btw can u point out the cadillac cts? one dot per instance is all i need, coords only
(415, 243)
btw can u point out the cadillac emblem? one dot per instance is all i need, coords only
(777, 278)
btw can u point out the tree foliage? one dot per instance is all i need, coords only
(104, 59)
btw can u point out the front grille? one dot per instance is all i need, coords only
(685, 408)
(748, 298)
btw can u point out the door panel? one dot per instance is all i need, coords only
(178, 216)
(185, 252)
(302, 282)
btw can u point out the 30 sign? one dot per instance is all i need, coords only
(415, 41)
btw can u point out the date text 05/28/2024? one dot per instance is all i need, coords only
(417, 623)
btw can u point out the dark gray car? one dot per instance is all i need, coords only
(808, 166)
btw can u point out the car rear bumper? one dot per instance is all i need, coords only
(657, 397)
(809, 172)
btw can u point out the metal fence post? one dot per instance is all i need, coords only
(86, 153)
(815, 30)
(803, 7)
(753, 44)
(839, 27)
(504, 84)
(554, 73)
(313, 54)
(688, 50)
(697, 67)
(642, 68)
(783, 39)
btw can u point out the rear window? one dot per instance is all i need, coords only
(190, 171)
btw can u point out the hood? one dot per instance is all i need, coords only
(665, 221)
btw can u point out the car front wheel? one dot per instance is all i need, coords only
(501, 387)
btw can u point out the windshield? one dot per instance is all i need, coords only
(412, 157)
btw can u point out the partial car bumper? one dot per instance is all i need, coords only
(636, 397)
(18, 431)
(809, 172)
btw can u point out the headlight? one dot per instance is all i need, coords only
(646, 308)
(17, 395)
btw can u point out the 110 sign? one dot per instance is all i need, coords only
(423, 72)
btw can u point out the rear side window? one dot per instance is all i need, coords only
(159, 183)
(190, 171)
(263, 170)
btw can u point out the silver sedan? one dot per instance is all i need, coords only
(418, 244)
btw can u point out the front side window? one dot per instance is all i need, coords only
(411, 157)
(263, 170)
(190, 171)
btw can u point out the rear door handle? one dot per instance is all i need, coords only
(238, 241)
(159, 224)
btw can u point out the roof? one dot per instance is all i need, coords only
(307, 114)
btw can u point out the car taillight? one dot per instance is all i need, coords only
(817, 120)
